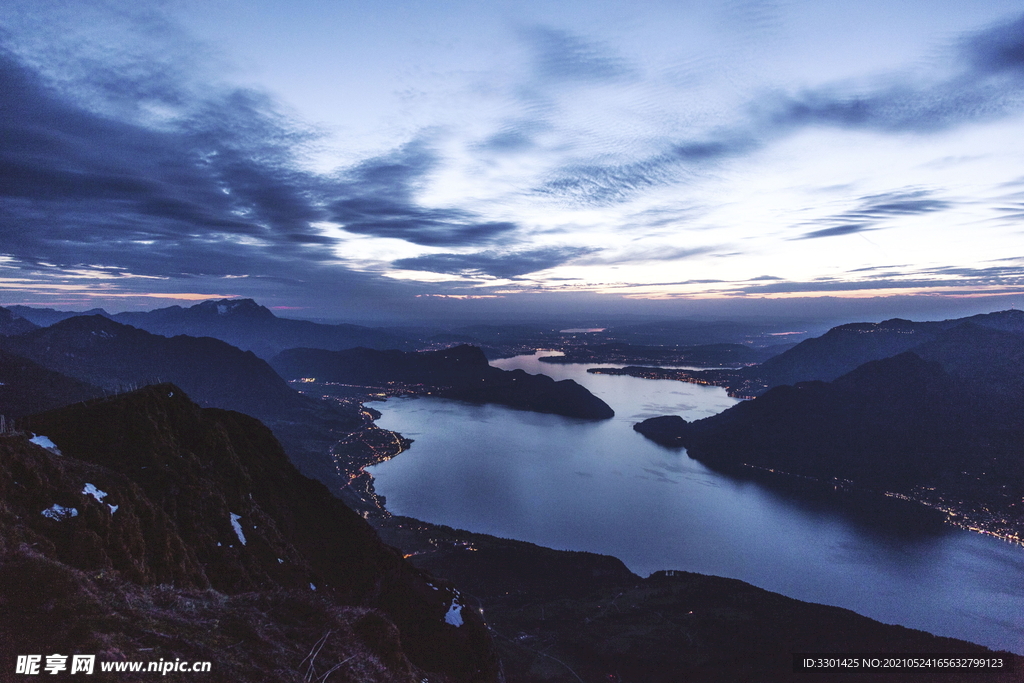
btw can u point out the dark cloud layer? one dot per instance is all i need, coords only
(214, 191)
(79, 187)
(874, 210)
(377, 199)
(494, 264)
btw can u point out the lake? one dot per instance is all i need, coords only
(599, 486)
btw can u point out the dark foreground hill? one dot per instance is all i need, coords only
(461, 372)
(106, 356)
(27, 387)
(567, 617)
(165, 530)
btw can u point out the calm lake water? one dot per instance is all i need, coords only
(599, 486)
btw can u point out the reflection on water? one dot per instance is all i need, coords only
(600, 486)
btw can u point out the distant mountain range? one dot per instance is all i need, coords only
(846, 347)
(44, 317)
(250, 326)
(240, 322)
(113, 356)
(12, 324)
(461, 372)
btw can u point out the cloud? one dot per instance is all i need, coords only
(563, 57)
(93, 189)
(81, 187)
(998, 49)
(494, 264)
(510, 139)
(606, 184)
(377, 198)
(986, 83)
(1002, 278)
(873, 210)
(648, 251)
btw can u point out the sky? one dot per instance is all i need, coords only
(404, 158)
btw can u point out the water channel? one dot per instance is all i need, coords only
(599, 486)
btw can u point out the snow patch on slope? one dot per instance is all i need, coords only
(237, 527)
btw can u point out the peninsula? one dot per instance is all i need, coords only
(461, 372)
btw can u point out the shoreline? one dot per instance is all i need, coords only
(428, 543)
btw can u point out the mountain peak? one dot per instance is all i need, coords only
(96, 325)
(232, 307)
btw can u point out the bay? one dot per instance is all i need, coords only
(599, 486)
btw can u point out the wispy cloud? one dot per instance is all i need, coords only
(987, 83)
(995, 278)
(563, 57)
(874, 210)
(494, 264)
(215, 188)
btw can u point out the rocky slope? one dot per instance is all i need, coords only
(163, 529)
